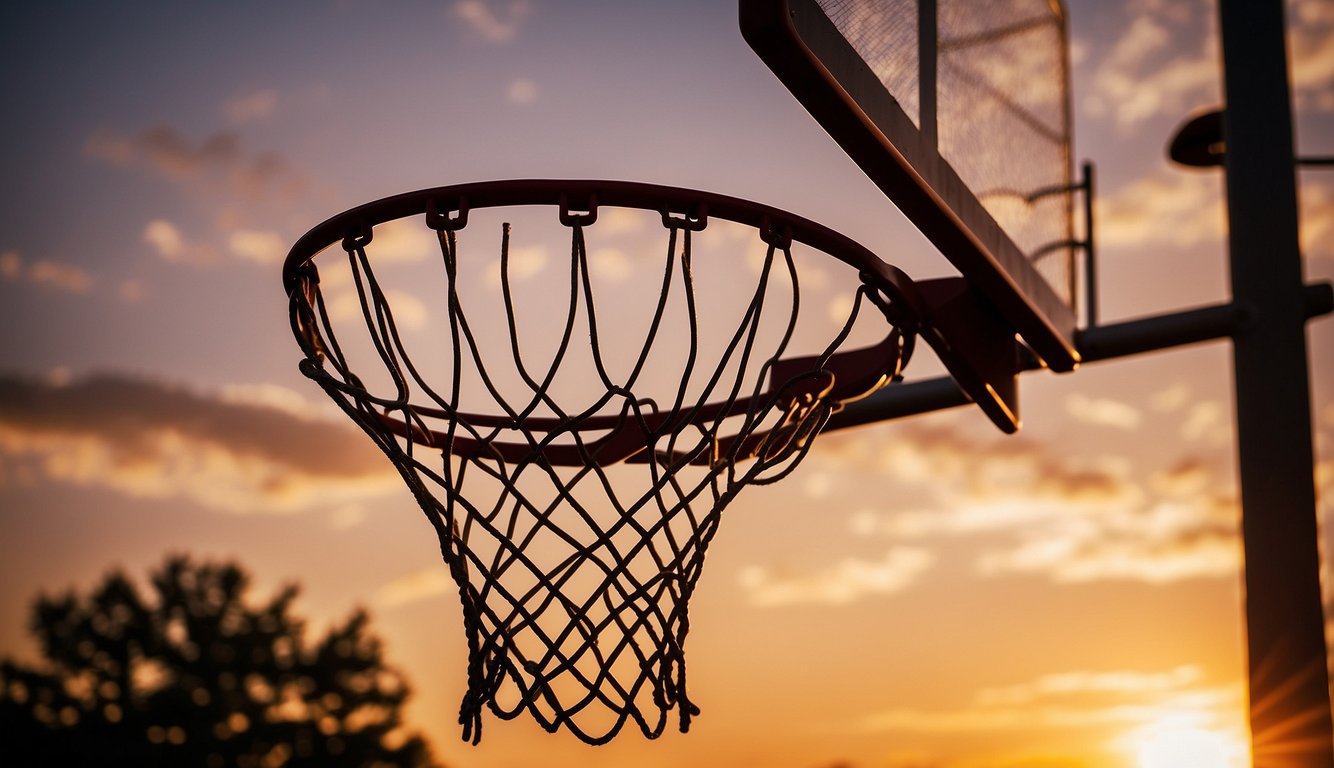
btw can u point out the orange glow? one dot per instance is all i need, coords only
(1172, 746)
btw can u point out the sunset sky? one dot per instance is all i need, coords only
(924, 593)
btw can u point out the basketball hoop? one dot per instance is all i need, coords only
(576, 528)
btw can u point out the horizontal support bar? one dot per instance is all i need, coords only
(1104, 342)
(1134, 337)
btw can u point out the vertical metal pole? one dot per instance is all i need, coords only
(1090, 252)
(1289, 681)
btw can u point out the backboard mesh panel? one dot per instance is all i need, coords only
(885, 35)
(1001, 107)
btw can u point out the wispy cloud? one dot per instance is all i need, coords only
(496, 21)
(48, 273)
(1102, 412)
(170, 244)
(1170, 399)
(1128, 700)
(257, 246)
(150, 439)
(844, 582)
(525, 263)
(1207, 421)
(218, 158)
(251, 106)
(1311, 36)
(1160, 66)
(404, 241)
(131, 290)
(622, 221)
(1167, 208)
(610, 264)
(65, 277)
(166, 151)
(1038, 512)
(409, 312)
(1317, 219)
(1166, 542)
(1070, 683)
(418, 585)
(522, 91)
(1166, 62)
(165, 238)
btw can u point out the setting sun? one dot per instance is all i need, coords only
(1173, 747)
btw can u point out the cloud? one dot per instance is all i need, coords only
(1168, 542)
(1039, 512)
(259, 247)
(1168, 208)
(419, 585)
(165, 238)
(409, 312)
(1144, 37)
(403, 241)
(1069, 683)
(278, 398)
(1171, 399)
(1156, 68)
(992, 485)
(150, 439)
(252, 106)
(496, 21)
(621, 221)
(1317, 219)
(610, 264)
(1102, 412)
(1127, 699)
(166, 151)
(252, 245)
(65, 277)
(217, 159)
(521, 91)
(56, 275)
(1311, 37)
(1207, 421)
(845, 582)
(169, 243)
(131, 291)
(524, 263)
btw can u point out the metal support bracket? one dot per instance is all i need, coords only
(1106, 342)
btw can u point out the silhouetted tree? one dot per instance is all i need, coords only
(199, 677)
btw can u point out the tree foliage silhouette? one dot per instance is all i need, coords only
(200, 677)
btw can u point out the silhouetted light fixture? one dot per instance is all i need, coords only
(1198, 143)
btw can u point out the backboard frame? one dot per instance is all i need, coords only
(828, 77)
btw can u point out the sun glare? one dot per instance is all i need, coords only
(1176, 747)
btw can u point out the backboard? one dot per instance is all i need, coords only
(958, 110)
